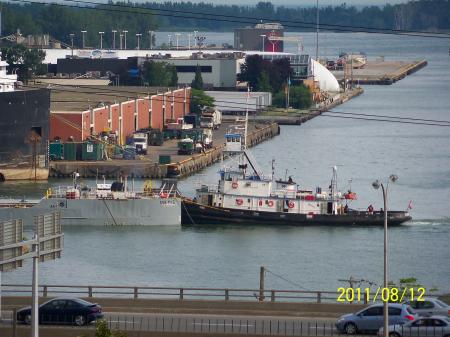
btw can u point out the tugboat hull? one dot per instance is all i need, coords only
(193, 213)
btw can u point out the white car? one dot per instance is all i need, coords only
(430, 306)
(434, 326)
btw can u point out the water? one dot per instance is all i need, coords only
(312, 258)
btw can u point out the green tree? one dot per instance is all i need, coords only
(263, 82)
(197, 82)
(299, 97)
(200, 101)
(28, 61)
(159, 74)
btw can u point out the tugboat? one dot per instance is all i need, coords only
(245, 196)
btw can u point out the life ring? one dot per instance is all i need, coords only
(239, 202)
(234, 185)
(164, 195)
(270, 203)
(291, 204)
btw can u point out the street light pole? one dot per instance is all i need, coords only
(376, 184)
(150, 33)
(263, 36)
(83, 32)
(120, 41)
(101, 39)
(138, 36)
(114, 39)
(177, 36)
(71, 41)
(189, 39)
(125, 39)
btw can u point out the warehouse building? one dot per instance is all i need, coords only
(78, 113)
(259, 37)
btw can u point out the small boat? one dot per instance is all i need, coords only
(245, 196)
(105, 204)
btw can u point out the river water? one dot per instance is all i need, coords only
(311, 258)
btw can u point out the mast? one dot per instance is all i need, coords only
(244, 147)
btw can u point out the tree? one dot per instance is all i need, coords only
(159, 74)
(197, 82)
(28, 61)
(263, 82)
(299, 97)
(200, 101)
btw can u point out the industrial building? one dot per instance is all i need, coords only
(236, 102)
(262, 37)
(78, 113)
(219, 70)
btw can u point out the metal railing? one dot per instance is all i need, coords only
(144, 292)
(228, 325)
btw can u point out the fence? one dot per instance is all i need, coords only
(142, 292)
(239, 326)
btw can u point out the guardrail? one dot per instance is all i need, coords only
(143, 292)
(195, 293)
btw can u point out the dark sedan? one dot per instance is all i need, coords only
(63, 311)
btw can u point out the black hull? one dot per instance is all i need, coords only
(193, 213)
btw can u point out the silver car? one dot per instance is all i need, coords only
(430, 306)
(371, 318)
(434, 326)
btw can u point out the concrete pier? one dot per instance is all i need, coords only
(302, 116)
(382, 72)
(148, 166)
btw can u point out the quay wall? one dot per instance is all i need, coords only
(297, 119)
(148, 169)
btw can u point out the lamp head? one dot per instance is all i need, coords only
(376, 184)
(393, 178)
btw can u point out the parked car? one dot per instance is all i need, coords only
(63, 311)
(434, 326)
(370, 319)
(430, 306)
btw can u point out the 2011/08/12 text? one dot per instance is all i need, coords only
(381, 294)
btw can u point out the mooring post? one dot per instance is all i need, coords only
(261, 284)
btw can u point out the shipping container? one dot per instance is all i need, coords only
(92, 151)
(70, 151)
(56, 151)
(164, 159)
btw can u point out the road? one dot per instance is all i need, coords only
(204, 323)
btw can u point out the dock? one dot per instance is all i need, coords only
(302, 116)
(381, 72)
(149, 167)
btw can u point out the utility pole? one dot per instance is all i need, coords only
(121, 39)
(114, 39)
(71, 41)
(101, 39)
(317, 31)
(35, 288)
(261, 283)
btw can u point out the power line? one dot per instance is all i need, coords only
(285, 279)
(349, 115)
(402, 120)
(217, 17)
(383, 120)
(258, 19)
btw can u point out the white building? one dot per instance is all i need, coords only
(217, 72)
(7, 82)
